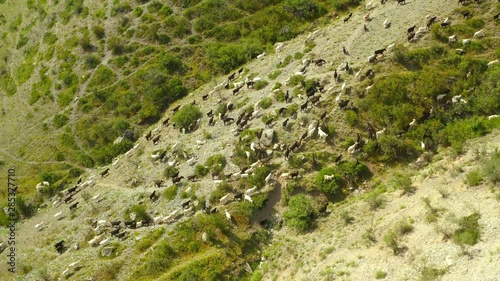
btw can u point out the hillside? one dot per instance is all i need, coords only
(321, 161)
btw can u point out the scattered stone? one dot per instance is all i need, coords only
(107, 251)
(267, 137)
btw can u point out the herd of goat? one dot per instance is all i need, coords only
(313, 95)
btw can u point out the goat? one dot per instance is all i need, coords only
(365, 28)
(152, 196)
(328, 177)
(410, 37)
(387, 22)
(478, 34)
(165, 122)
(372, 58)
(431, 21)
(156, 139)
(379, 52)
(346, 19)
(411, 29)
(462, 2)
(176, 180)
(231, 77)
(496, 17)
(379, 133)
(322, 134)
(175, 109)
(445, 24)
(225, 199)
(261, 55)
(204, 97)
(73, 206)
(186, 204)
(59, 246)
(352, 149)
(466, 14)
(401, 2)
(294, 174)
(319, 62)
(157, 183)
(369, 5)
(345, 51)
(285, 123)
(105, 173)
(228, 215)
(337, 160)
(493, 116)
(303, 107)
(248, 198)
(452, 39)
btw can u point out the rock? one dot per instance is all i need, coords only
(267, 137)
(107, 251)
(449, 261)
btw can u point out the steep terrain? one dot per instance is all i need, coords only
(338, 246)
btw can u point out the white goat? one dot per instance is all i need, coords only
(328, 177)
(478, 34)
(248, 198)
(379, 133)
(387, 23)
(322, 135)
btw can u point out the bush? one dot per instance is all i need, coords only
(170, 192)
(474, 178)
(216, 163)
(330, 187)
(140, 213)
(468, 232)
(60, 120)
(200, 171)
(260, 84)
(404, 227)
(491, 166)
(391, 239)
(265, 103)
(380, 274)
(273, 75)
(170, 171)
(351, 117)
(300, 213)
(98, 31)
(403, 181)
(186, 115)
(346, 218)
(149, 240)
(429, 273)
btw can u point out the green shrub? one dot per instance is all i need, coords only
(200, 171)
(403, 181)
(300, 213)
(380, 274)
(216, 163)
(149, 240)
(98, 31)
(330, 187)
(469, 231)
(491, 166)
(404, 227)
(265, 103)
(346, 218)
(259, 85)
(91, 61)
(351, 117)
(474, 178)
(186, 115)
(140, 213)
(279, 96)
(429, 273)
(23, 208)
(369, 236)
(170, 192)
(295, 80)
(392, 241)
(284, 62)
(170, 171)
(298, 55)
(273, 75)
(60, 120)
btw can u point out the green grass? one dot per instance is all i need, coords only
(380, 274)
(469, 230)
(170, 192)
(474, 178)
